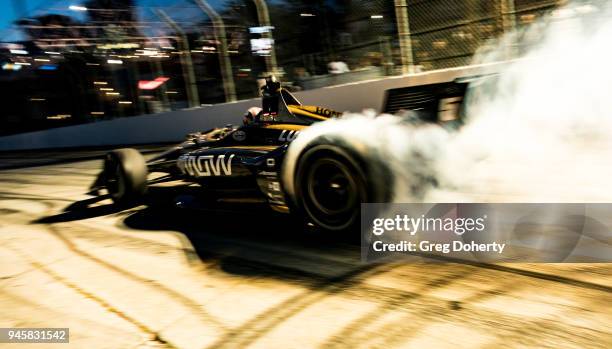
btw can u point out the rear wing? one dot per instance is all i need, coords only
(440, 102)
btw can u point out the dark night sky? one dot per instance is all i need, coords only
(8, 12)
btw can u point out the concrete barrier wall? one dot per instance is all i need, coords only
(173, 126)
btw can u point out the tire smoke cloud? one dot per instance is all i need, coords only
(539, 131)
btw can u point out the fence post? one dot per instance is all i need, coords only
(226, 65)
(508, 16)
(403, 31)
(186, 63)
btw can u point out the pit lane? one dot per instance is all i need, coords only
(156, 276)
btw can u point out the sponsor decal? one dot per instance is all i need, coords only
(274, 186)
(267, 117)
(206, 165)
(288, 136)
(239, 135)
(448, 108)
(327, 112)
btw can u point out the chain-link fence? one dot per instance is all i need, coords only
(446, 33)
(367, 35)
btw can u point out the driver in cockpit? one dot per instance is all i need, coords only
(252, 116)
(270, 97)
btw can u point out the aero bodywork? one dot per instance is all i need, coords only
(325, 183)
(243, 160)
(240, 161)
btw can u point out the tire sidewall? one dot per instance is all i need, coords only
(372, 178)
(130, 166)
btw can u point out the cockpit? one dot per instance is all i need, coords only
(280, 106)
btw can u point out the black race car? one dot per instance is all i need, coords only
(324, 184)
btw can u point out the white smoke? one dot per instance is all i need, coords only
(540, 131)
(410, 152)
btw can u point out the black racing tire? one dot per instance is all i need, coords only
(331, 183)
(125, 175)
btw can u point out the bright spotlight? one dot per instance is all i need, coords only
(77, 8)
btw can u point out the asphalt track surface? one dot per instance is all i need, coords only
(157, 276)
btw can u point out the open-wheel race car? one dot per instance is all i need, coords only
(328, 182)
(324, 184)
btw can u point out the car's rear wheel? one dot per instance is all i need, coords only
(125, 174)
(330, 186)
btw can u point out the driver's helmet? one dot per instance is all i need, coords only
(251, 116)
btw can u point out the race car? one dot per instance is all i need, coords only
(324, 184)
(245, 162)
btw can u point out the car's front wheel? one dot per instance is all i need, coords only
(125, 175)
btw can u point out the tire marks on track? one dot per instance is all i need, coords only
(153, 335)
